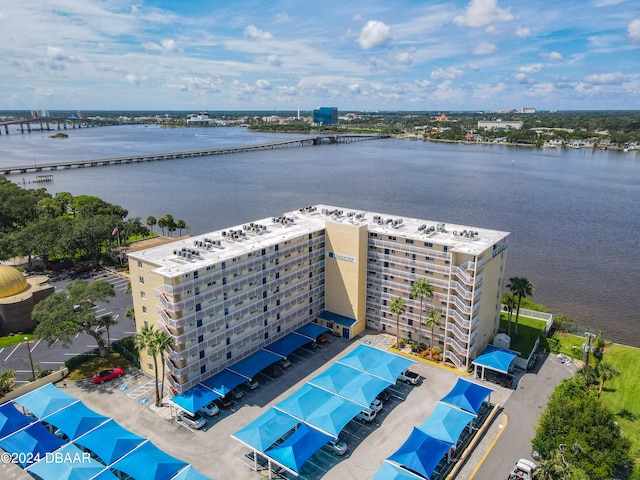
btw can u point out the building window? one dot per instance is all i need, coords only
(266, 335)
(143, 295)
(278, 329)
(408, 240)
(445, 248)
(428, 244)
(199, 323)
(141, 280)
(201, 354)
(195, 274)
(200, 338)
(150, 366)
(139, 264)
(228, 341)
(203, 369)
(228, 355)
(198, 307)
(144, 309)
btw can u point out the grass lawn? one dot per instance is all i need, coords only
(14, 339)
(529, 329)
(93, 366)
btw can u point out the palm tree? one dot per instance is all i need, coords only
(162, 223)
(151, 222)
(6, 381)
(398, 306)
(145, 340)
(106, 322)
(606, 372)
(432, 319)
(181, 225)
(420, 289)
(509, 302)
(590, 375)
(521, 287)
(163, 341)
(131, 314)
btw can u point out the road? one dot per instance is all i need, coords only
(16, 357)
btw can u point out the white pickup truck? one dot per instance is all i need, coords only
(409, 377)
(523, 470)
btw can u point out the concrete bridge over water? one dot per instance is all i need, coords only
(40, 124)
(152, 157)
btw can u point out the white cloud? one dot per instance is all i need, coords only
(491, 30)
(523, 31)
(422, 83)
(255, 32)
(132, 79)
(263, 84)
(552, 57)
(615, 78)
(354, 88)
(488, 91)
(56, 58)
(633, 31)
(483, 12)
(449, 73)
(283, 18)
(539, 90)
(608, 3)
(167, 45)
(374, 34)
(473, 66)
(357, 17)
(274, 60)
(404, 58)
(444, 93)
(533, 68)
(522, 78)
(483, 48)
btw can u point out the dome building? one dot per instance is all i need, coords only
(18, 296)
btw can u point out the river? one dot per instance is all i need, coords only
(574, 214)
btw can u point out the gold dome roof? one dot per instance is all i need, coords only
(12, 281)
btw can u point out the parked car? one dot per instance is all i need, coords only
(376, 405)
(272, 371)
(523, 470)
(251, 384)
(337, 447)
(367, 415)
(322, 339)
(384, 395)
(285, 363)
(106, 375)
(236, 393)
(224, 402)
(409, 377)
(195, 421)
(502, 379)
(532, 362)
(210, 410)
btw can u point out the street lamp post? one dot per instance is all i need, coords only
(33, 373)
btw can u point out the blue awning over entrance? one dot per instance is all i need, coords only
(195, 398)
(287, 344)
(312, 330)
(339, 319)
(254, 363)
(496, 358)
(224, 382)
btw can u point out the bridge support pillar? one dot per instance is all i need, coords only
(22, 128)
(47, 123)
(29, 127)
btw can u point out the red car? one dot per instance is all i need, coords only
(322, 339)
(106, 375)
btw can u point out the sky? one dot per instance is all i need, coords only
(282, 55)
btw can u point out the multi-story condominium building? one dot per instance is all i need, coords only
(225, 294)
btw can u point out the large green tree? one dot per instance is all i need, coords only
(64, 314)
(580, 429)
(520, 288)
(419, 290)
(145, 340)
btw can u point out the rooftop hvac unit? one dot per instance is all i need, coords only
(421, 227)
(175, 252)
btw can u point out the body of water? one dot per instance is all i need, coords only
(574, 215)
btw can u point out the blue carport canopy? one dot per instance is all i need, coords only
(195, 398)
(389, 471)
(45, 400)
(224, 382)
(376, 362)
(148, 462)
(312, 330)
(446, 423)
(11, 420)
(495, 358)
(254, 363)
(75, 420)
(266, 429)
(110, 441)
(467, 395)
(31, 443)
(350, 383)
(421, 453)
(295, 450)
(67, 463)
(319, 408)
(190, 473)
(287, 344)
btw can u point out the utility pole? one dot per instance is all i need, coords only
(33, 373)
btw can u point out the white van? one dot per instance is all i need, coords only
(367, 415)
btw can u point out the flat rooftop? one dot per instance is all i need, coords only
(187, 254)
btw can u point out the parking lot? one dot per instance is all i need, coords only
(130, 401)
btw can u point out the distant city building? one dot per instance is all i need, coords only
(500, 124)
(201, 118)
(325, 116)
(528, 110)
(223, 295)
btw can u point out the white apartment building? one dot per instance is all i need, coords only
(225, 294)
(500, 124)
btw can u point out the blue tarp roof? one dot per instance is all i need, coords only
(348, 382)
(496, 358)
(295, 450)
(68, 464)
(224, 382)
(266, 429)
(287, 344)
(376, 362)
(467, 395)
(312, 330)
(32, 442)
(45, 400)
(75, 420)
(389, 471)
(320, 408)
(190, 473)
(446, 423)
(12, 420)
(254, 363)
(421, 453)
(110, 441)
(148, 462)
(195, 398)
(339, 319)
